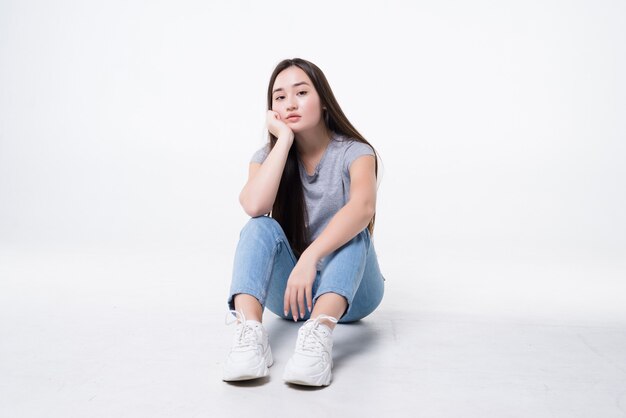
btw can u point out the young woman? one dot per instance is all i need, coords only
(312, 258)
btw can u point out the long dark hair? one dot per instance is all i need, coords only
(289, 208)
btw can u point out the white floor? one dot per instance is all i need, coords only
(112, 335)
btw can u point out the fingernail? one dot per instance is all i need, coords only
(285, 313)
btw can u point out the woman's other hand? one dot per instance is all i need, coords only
(300, 287)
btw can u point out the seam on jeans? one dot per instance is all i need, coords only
(268, 273)
(281, 240)
(275, 229)
(280, 237)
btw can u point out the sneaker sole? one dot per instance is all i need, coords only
(257, 372)
(292, 376)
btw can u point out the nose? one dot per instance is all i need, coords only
(291, 103)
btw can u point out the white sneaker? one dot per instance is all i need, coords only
(312, 361)
(250, 354)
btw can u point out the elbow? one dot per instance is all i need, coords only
(252, 209)
(370, 210)
(253, 213)
(367, 209)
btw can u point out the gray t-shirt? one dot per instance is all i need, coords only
(328, 189)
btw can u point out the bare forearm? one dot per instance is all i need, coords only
(345, 225)
(258, 195)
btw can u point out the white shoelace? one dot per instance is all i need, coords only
(312, 339)
(245, 335)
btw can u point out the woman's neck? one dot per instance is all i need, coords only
(312, 142)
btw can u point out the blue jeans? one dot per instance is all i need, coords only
(264, 260)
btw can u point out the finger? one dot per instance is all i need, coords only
(294, 305)
(286, 301)
(301, 302)
(309, 296)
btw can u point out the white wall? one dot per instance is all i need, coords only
(129, 125)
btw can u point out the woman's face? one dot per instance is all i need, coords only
(293, 94)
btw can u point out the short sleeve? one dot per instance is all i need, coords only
(260, 155)
(353, 151)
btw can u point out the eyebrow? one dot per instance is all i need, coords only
(295, 85)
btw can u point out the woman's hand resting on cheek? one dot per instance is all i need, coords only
(277, 127)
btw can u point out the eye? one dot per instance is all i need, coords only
(278, 97)
(303, 92)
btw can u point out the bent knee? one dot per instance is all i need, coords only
(260, 224)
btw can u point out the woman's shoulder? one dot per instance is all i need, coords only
(349, 149)
(343, 141)
(351, 145)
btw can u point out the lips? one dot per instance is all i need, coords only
(293, 116)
